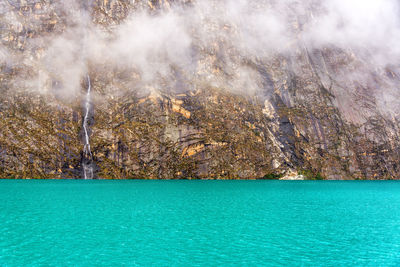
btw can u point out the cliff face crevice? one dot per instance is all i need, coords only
(227, 114)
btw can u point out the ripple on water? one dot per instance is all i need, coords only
(199, 222)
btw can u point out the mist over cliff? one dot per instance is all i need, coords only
(237, 89)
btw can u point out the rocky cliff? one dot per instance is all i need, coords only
(221, 111)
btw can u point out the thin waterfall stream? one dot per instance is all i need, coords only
(87, 153)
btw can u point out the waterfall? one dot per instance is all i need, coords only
(87, 157)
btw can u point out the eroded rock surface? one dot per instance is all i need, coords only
(307, 116)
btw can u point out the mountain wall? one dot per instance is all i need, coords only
(178, 94)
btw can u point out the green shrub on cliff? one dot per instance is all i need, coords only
(311, 175)
(273, 176)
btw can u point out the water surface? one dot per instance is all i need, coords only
(180, 223)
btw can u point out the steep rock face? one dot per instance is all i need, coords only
(306, 116)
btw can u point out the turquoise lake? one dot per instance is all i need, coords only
(199, 223)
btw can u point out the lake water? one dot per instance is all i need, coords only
(199, 223)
